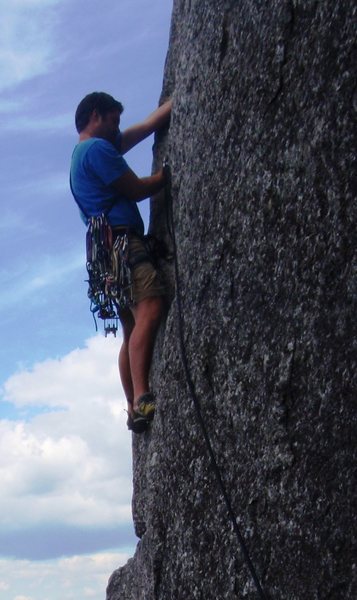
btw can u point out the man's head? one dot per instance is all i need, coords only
(100, 110)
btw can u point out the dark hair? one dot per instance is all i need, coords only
(99, 101)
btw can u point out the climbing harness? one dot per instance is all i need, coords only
(195, 399)
(109, 266)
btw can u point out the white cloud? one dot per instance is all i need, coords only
(10, 106)
(26, 39)
(11, 220)
(63, 123)
(71, 465)
(28, 277)
(74, 578)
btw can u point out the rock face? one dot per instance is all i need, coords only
(261, 149)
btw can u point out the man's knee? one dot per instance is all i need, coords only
(149, 310)
(127, 323)
(156, 307)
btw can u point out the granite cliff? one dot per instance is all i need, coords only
(261, 148)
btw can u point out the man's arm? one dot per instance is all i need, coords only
(156, 120)
(134, 188)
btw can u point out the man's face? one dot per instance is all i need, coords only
(107, 127)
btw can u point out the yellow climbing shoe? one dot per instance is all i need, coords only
(146, 406)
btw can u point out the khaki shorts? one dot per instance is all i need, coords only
(147, 281)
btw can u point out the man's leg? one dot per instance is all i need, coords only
(147, 315)
(128, 323)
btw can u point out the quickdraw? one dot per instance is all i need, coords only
(109, 276)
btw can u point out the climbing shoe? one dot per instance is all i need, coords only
(137, 424)
(146, 406)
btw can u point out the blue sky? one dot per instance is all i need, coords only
(65, 453)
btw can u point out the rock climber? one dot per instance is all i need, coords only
(102, 182)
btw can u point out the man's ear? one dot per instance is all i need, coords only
(95, 116)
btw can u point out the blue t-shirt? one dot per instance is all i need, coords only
(96, 163)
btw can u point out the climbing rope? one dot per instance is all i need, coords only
(195, 399)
